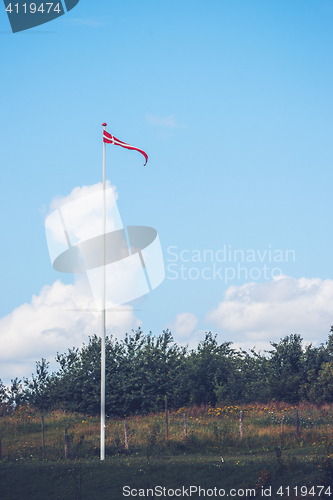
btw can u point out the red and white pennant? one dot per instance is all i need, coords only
(111, 139)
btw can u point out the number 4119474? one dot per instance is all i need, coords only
(32, 8)
(304, 491)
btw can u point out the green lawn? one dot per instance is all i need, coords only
(91, 479)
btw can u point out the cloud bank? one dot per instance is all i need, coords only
(61, 316)
(263, 312)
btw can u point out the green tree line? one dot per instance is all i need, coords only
(142, 369)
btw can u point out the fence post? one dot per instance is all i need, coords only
(297, 423)
(43, 437)
(282, 424)
(126, 434)
(184, 425)
(166, 417)
(241, 424)
(66, 444)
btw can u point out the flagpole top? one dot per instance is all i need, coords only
(104, 124)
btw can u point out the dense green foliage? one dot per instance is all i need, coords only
(142, 369)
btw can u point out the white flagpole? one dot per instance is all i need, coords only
(102, 454)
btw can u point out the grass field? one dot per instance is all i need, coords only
(267, 460)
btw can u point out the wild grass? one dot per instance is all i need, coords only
(208, 430)
(267, 454)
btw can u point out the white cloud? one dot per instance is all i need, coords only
(164, 121)
(61, 316)
(256, 313)
(82, 214)
(184, 326)
(79, 192)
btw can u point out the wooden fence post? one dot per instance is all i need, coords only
(126, 434)
(43, 437)
(166, 417)
(66, 444)
(241, 424)
(184, 425)
(282, 424)
(297, 423)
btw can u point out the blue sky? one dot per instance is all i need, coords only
(232, 102)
